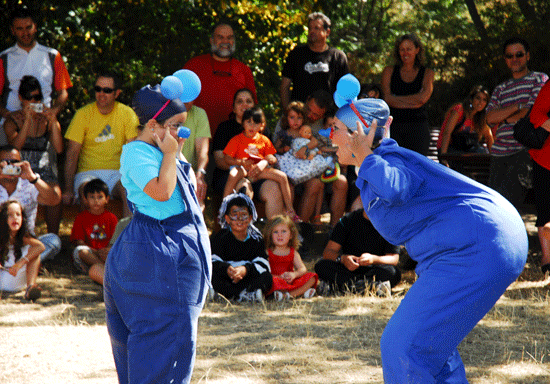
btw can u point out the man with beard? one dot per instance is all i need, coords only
(313, 66)
(221, 76)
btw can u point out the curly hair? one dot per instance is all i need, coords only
(296, 106)
(294, 241)
(5, 232)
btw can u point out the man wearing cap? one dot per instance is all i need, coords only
(470, 244)
(95, 138)
(221, 76)
(312, 66)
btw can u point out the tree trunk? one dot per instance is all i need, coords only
(478, 23)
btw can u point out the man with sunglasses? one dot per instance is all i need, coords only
(27, 57)
(95, 138)
(221, 76)
(510, 101)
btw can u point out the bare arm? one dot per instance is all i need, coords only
(511, 114)
(451, 124)
(285, 92)
(416, 100)
(47, 194)
(219, 158)
(62, 97)
(71, 162)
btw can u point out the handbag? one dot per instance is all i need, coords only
(526, 134)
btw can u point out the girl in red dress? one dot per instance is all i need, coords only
(290, 276)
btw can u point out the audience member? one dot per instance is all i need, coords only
(540, 117)
(251, 155)
(312, 66)
(465, 128)
(371, 90)
(195, 148)
(92, 231)
(221, 76)
(95, 138)
(19, 252)
(240, 269)
(30, 190)
(33, 133)
(28, 57)
(357, 258)
(270, 193)
(510, 101)
(407, 87)
(290, 276)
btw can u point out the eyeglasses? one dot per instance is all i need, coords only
(106, 90)
(242, 217)
(30, 96)
(221, 73)
(11, 161)
(518, 55)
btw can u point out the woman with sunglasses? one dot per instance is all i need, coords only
(469, 241)
(33, 130)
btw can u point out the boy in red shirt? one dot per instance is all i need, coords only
(92, 231)
(251, 154)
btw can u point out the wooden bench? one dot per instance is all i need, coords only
(474, 165)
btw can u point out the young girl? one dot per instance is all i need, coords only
(251, 154)
(19, 251)
(290, 276)
(158, 270)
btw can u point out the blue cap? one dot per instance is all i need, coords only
(147, 102)
(369, 109)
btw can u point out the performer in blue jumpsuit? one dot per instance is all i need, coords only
(158, 271)
(470, 244)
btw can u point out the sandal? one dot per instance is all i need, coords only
(309, 293)
(33, 292)
(317, 220)
(294, 217)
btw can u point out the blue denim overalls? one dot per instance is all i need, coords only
(156, 280)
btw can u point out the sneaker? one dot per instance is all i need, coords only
(281, 295)
(383, 288)
(324, 288)
(254, 296)
(309, 293)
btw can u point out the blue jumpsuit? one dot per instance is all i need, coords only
(470, 244)
(156, 280)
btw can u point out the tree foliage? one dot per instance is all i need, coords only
(148, 39)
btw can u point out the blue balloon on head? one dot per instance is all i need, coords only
(184, 132)
(171, 87)
(339, 100)
(348, 87)
(191, 84)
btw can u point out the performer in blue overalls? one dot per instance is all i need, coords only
(158, 271)
(470, 244)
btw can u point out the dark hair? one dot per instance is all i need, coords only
(254, 113)
(366, 88)
(322, 98)
(95, 185)
(22, 13)
(238, 91)
(29, 84)
(479, 120)
(5, 232)
(319, 16)
(515, 40)
(110, 74)
(238, 201)
(296, 106)
(8, 148)
(418, 59)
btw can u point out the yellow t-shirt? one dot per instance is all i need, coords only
(102, 136)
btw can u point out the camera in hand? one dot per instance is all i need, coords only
(37, 107)
(12, 170)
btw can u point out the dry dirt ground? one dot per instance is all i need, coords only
(63, 338)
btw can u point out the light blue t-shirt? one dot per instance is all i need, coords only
(140, 163)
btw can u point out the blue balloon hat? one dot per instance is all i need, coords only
(191, 85)
(369, 109)
(150, 99)
(348, 87)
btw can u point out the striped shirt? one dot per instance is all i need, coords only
(513, 91)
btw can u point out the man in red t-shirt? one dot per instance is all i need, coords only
(221, 76)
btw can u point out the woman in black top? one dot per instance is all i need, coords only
(407, 86)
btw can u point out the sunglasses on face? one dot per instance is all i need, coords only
(11, 161)
(107, 90)
(30, 96)
(518, 55)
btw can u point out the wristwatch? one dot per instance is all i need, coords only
(339, 259)
(35, 180)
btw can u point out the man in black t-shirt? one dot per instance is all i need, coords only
(312, 66)
(357, 257)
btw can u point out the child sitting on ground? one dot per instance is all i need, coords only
(290, 276)
(92, 231)
(251, 154)
(19, 252)
(240, 269)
